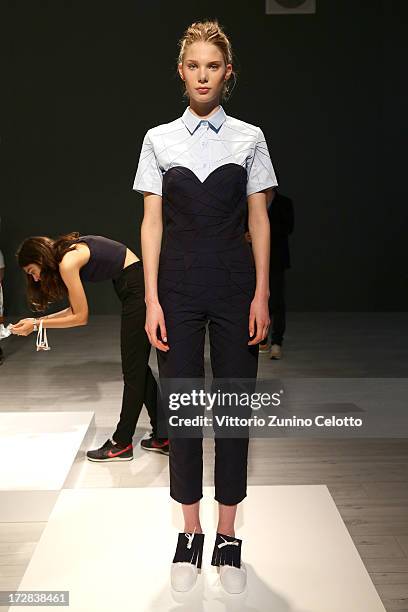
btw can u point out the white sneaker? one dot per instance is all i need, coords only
(276, 352)
(227, 557)
(187, 561)
(183, 576)
(233, 579)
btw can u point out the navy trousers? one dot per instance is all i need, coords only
(191, 298)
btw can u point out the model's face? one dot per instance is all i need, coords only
(33, 270)
(204, 72)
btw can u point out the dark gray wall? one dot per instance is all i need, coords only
(84, 81)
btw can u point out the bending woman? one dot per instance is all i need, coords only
(56, 269)
(205, 170)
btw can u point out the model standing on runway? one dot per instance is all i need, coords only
(205, 170)
(56, 269)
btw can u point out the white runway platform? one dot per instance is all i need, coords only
(40, 448)
(112, 548)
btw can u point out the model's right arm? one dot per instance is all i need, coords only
(151, 234)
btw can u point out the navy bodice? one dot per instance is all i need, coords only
(204, 222)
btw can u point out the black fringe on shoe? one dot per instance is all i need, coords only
(226, 554)
(192, 555)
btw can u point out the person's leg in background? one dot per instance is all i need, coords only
(139, 383)
(277, 311)
(158, 440)
(135, 350)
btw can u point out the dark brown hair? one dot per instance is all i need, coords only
(212, 32)
(47, 254)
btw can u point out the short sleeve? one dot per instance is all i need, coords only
(148, 174)
(1, 260)
(261, 174)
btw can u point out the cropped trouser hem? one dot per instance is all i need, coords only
(230, 501)
(187, 501)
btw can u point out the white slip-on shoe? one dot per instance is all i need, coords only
(227, 556)
(233, 579)
(187, 561)
(183, 576)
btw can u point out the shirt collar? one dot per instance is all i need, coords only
(191, 121)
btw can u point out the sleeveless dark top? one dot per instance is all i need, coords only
(106, 260)
(204, 222)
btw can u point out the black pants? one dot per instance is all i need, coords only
(140, 386)
(277, 306)
(190, 299)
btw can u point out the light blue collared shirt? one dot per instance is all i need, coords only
(202, 145)
(191, 121)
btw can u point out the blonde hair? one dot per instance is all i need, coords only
(212, 32)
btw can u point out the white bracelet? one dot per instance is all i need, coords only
(42, 342)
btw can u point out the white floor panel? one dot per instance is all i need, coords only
(112, 549)
(41, 449)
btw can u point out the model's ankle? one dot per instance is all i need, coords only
(226, 530)
(190, 528)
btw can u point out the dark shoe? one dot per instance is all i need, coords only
(111, 452)
(276, 352)
(159, 445)
(227, 556)
(187, 561)
(264, 347)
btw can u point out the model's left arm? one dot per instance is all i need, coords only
(259, 229)
(261, 181)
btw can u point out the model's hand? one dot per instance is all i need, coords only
(155, 322)
(23, 328)
(258, 320)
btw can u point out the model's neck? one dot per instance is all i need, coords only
(204, 110)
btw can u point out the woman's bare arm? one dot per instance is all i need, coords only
(151, 235)
(69, 270)
(259, 229)
(59, 314)
(77, 313)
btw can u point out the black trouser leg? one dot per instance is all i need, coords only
(139, 383)
(150, 400)
(232, 358)
(277, 306)
(185, 359)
